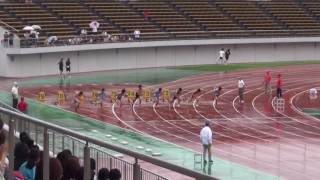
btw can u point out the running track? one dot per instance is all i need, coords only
(253, 134)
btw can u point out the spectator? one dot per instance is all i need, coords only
(11, 37)
(30, 144)
(63, 157)
(56, 170)
(15, 95)
(51, 40)
(24, 137)
(114, 174)
(71, 168)
(5, 39)
(18, 176)
(28, 168)
(93, 168)
(2, 154)
(21, 153)
(22, 105)
(83, 32)
(1, 124)
(136, 34)
(103, 174)
(146, 14)
(80, 174)
(206, 140)
(106, 36)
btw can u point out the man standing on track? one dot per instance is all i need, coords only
(206, 141)
(60, 63)
(279, 86)
(267, 83)
(241, 86)
(221, 56)
(68, 67)
(227, 55)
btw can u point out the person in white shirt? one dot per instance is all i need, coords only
(206, 140)
(15, 95)
(241, 86)
(313, 92)
(221, 55)
(136, 34)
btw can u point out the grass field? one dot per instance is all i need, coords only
(235, 67)
(153, 75)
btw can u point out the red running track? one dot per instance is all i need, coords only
(254, 134)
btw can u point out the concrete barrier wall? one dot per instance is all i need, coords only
(19, 64)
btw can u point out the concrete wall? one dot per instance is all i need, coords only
(34, 64)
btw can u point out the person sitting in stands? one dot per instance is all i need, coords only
(136, 34)
(146, 14)
(22, 105)
(83, 32)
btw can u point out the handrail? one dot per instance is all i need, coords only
(7, 25)
(136, 155)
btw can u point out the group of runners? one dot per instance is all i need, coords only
(177, 97)
(122, 96)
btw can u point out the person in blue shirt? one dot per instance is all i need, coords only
(157, 95)
(102, 96)
(28, 168)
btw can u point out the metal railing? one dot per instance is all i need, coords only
(180, 35)
(55, 138)
(7, 26)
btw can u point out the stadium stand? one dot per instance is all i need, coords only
(167, 19)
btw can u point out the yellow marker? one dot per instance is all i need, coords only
(114, 94)
(94, 97)
(166, 95)
(41, 96)
(147, 95)
(61, 97)
(81, 98)
(131, 95)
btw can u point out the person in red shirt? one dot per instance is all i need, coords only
(146, 14)
(22, 106)
(267, 82)
(279, 86)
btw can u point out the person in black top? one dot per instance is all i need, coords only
(120, 96)
(68, 66)
(5, 39)
(60, 63)
(176, 97)
(11, 36)
(227, 55)
(216, 94)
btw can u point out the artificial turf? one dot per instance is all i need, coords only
(241, 66)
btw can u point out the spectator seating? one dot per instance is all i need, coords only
(167, 19)
(33, 14)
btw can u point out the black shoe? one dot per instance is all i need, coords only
(210, 161)
(205, 162)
